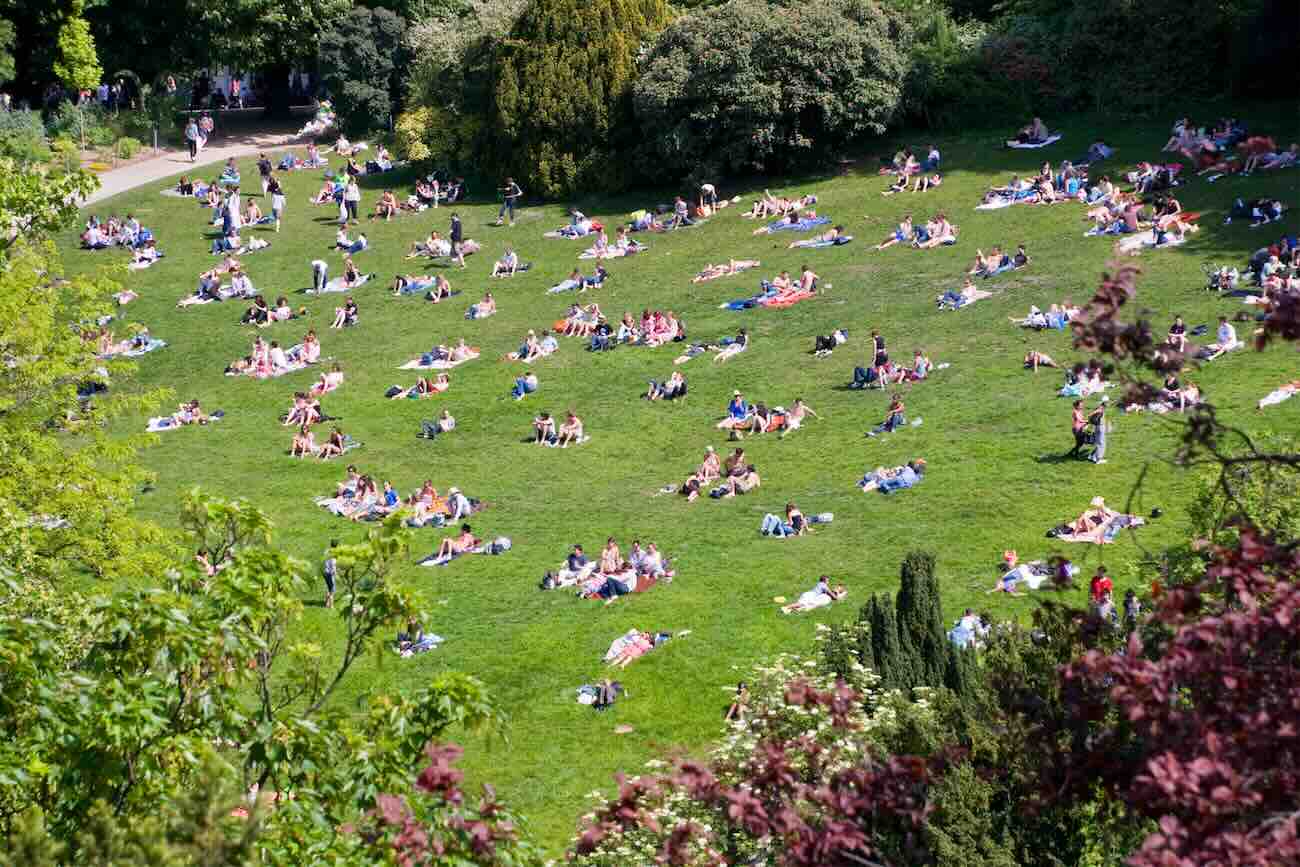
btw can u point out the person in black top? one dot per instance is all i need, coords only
(1178, 334)
(264, 169)
(456, 238)
(510, 199)
(878, 349)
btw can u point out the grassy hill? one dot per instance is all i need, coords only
(991, 432)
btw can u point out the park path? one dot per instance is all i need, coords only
(172, 162)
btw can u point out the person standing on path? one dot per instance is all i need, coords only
(456, 237)
(511, 193)
(192, 138)
(1098, 421)
(330, 571)
(264, 169)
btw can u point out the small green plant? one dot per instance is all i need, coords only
(127, 147)
(67, 155)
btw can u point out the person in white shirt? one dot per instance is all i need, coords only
(279, 361)
(1226, 340)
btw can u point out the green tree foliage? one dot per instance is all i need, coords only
(717, 95)
(561, 81)
(962, 832)
(8, 66)
(78, 64)
(360, 59)
(921, 632)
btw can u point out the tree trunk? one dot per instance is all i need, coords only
(277, 90)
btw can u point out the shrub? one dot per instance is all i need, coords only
(127, 147)
(67, 153)
(714, 97)
(22, 137)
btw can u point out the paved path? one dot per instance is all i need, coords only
(173, 162)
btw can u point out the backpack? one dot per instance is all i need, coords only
(499, 545)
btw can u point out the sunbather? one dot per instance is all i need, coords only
(459, 544)
(822, 594)
(733, 266)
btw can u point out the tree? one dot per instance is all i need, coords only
(921, 632)
(78, 65)
(270, 36)
(561, 82)
(712, 97)
(360, 59)
(8, 67)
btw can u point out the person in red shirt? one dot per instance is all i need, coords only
(1101, 585)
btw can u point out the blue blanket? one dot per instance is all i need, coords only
(800, 226)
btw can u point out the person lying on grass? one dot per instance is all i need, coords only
(424, 387)
(934, 233)
(329, 381)
(482, 309)
(777, 206)
(795, 415)
(821, 595)
(733, 266)
(827, 237)
(902, 233)
(630, 648)
(432, 429)
(793, 218)
(794, 524)
(911, 471)
(435, 245)
(1035, 359)
(577, 280)
(670, 389)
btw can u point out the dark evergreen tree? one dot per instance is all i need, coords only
(360, 60)
(889, 659)
(560, 94)
(920, 620)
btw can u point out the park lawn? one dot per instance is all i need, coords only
(991, 433)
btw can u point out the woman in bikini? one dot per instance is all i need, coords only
(304, 443)
(482, 309)
(333, 446)
(795, 416)
(328, 381)
(440, 291)
(386, 207)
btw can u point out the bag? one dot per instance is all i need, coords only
(500, 545)
(393, 391)
(548, 581)
(822, 518)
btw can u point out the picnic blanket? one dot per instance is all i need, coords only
(339, 284)
(1133, 243)
(824, 242)
(802, 225)
(614, 252)
(1029, 145)
(136, 351)
(774, 300)
(427, 362)
(166, 422)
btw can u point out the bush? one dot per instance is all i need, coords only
(127, 147)
(22, 137)
(714, 96)
(67, 153)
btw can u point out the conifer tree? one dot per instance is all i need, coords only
(920, 620)
(560, 91)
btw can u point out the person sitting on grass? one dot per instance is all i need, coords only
(524, 385)
(744, 480)
(423, 387)
(544, 429)
(386, 207)
(894, 418)
(738, 413)
(902, 233)
(304, 443)
(795, 416)
(302, 413)
(444, 423)
(821, 595)
(459, 544)
(507, 265)
(571, 431)
(345, 315)
(439, 291)
(334, 446)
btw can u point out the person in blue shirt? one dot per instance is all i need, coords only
(737, 412)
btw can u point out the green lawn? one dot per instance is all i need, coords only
(990, 434)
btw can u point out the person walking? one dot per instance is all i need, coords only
(264, 169)
(1079, 427)
(1098, 421)
(330, 571)
(510, 194)
(192, 138)
(277, 200)
(457, 236)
